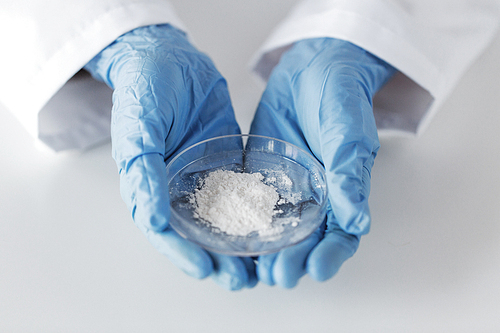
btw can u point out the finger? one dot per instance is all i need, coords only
(265, 268)
(230, 272)
(187, 256)
(138, 133)
(326, 258)
(290, 264)
(349, 143)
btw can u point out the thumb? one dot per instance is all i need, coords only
(348, 172)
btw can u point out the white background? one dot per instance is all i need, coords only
(71, 259)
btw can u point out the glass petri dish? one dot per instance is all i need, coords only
(296, 175)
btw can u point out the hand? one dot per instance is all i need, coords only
(167, 96)
(319, 97)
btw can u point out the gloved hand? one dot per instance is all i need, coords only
(319, 97)
(167, 96)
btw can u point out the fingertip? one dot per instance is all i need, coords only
(320, 272)
(187, 256)
(228, 282)
(201, 266)
(285, 280)
(154, 218)
(327, 258)
(288, 269)
(319, 268)
(229, 272)
(290, 265)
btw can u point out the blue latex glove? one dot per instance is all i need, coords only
(319, 97)
(167, 96)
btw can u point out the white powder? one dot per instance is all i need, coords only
(236, 203)
(280, 180)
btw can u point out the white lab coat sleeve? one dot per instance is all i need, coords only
(44, 43)
(431, 44)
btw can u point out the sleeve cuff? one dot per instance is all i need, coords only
(429, 55)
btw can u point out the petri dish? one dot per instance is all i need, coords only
(296, 175)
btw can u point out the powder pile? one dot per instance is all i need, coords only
(236, 203)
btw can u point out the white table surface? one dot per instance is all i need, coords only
(71, 260)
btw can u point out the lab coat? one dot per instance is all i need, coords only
(44, 44)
